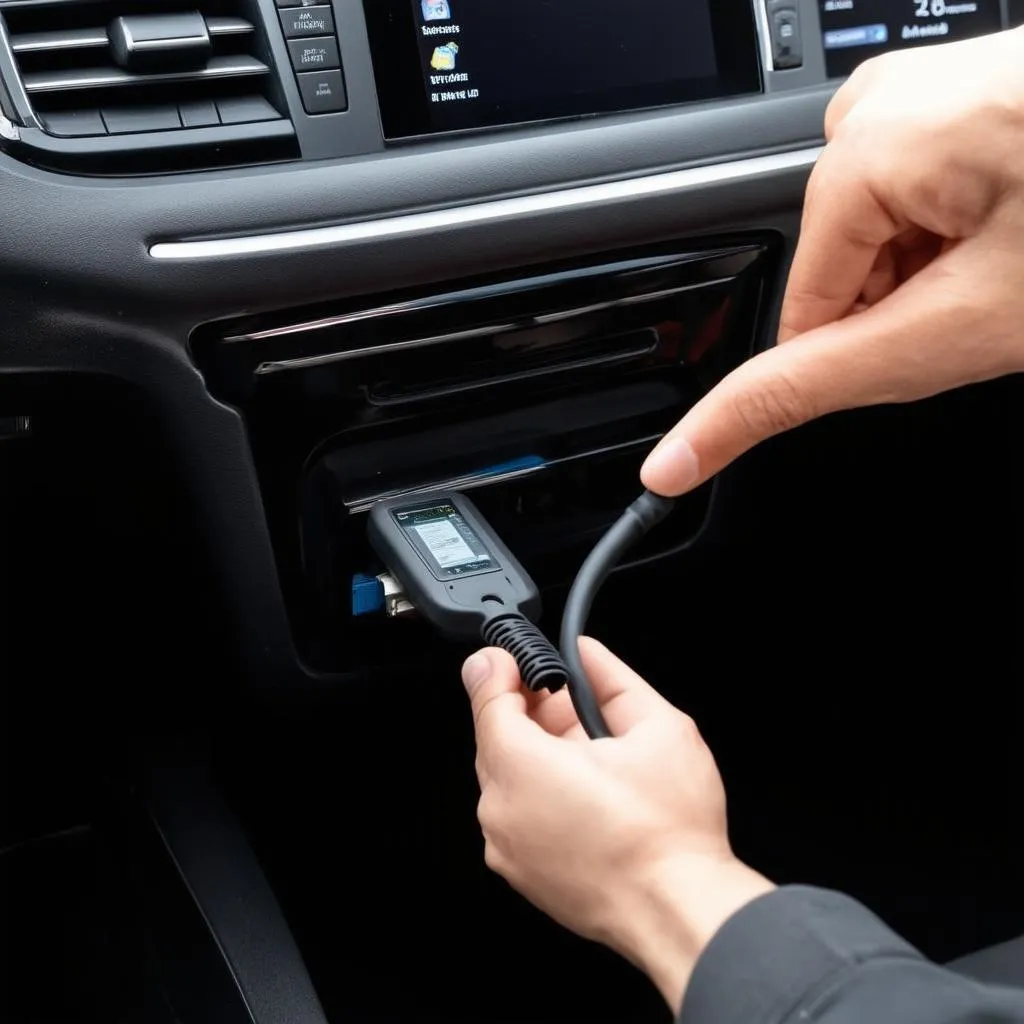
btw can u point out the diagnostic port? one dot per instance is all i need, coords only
(374, 595)
(396, 604)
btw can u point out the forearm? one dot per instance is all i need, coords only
(816, 957)
(670, 913)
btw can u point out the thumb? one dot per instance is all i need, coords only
(918, 341)
(500, 711)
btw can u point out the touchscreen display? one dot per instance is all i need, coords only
(456, 65)
(854, 30)
(446, 542)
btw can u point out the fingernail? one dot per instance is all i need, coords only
(673, 467)
(476, 670)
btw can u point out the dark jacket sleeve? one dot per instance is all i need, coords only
(804, 956)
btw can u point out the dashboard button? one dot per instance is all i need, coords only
(300, 22)
(245, 109)
(314, 54)
(323, 92)
(787, 42)
(198, 114)
(126, 121)
(74, 123)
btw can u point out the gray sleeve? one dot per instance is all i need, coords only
(808, 956)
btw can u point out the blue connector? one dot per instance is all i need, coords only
(367, 595)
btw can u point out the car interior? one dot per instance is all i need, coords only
(267, 263)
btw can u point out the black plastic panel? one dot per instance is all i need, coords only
(130, 318)
(79, 292)
(139, 126)
(554, 61)
(578, 369)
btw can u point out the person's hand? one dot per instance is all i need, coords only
(908, 278)
(622, 840)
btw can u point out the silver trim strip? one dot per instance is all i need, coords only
(229, 27)
(98, 78)
(67, 39)
(492, 212)
(96, 38)
(764, 35)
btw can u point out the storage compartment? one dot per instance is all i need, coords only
(540, 394)
(550, 479)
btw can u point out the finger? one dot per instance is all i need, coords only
(882, 280)
(844, 227)
(626, 699)
(886, 353)
(500, 717)
(906, 255)
(914, 250)
(849, 95)
(554, 712)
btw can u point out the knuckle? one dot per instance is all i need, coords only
(771, 409)
(871, 71)
(835, 114)
(817, 182)
(689, 733)
(494, 859)
(488, 813)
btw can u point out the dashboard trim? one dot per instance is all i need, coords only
(491, 212)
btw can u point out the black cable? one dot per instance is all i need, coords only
(643, 515)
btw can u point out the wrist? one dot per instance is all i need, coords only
(675, 910)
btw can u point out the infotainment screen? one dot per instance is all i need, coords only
(854, 30)
(458, 65)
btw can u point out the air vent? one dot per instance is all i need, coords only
(154, 77)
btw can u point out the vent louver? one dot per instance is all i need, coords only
(160, 78)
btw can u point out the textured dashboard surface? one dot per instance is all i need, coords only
(81, 292)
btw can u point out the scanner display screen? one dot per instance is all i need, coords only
(445, 541)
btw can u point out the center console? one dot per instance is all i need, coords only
(540, 393)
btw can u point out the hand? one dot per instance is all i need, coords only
(622, 840)
(909, 276)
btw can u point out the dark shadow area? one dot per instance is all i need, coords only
(848, 639)
(107, 642)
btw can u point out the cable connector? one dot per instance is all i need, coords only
(396, 604)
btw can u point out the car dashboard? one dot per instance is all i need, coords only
(266, 262)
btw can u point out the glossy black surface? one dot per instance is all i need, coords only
(540, 62)
(869, 28)
(580, 366)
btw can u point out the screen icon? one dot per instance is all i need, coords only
(436, 10)
(444, 57)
